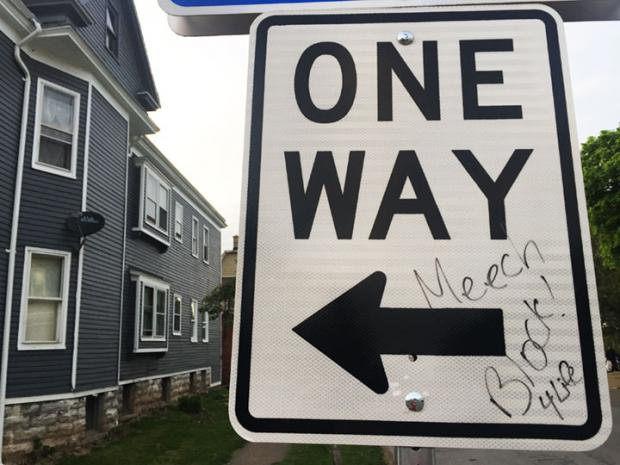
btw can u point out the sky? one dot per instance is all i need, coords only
(202, 87)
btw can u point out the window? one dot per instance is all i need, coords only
(205, 327)
(154, 310)
(111, 30)
(194, 320)
(156, 201)
(95, 412)
(178, 221)
(166, 389)
(205, 244)
(129, 399)
(195, 236)
(56, 130)
(176, 316)
(45, 295)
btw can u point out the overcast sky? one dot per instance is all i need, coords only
(202, 87)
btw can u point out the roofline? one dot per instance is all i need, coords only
(147, 62)
(100, 69)
(146, 145)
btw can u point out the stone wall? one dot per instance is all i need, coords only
(31, 428)
(35, 428)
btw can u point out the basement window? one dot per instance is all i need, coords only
(95, 412)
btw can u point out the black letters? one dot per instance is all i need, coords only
(427, 97)
(302, 82)
(342, 203)
(406, 167)
(495, 192)
(471, 77)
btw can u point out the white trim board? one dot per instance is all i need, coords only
(53, 397)
(164, 375)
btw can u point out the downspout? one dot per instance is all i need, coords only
(12, 251)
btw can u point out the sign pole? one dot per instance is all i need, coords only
(415, 456)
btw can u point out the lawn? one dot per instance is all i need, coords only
(170, 437)
(309, 454)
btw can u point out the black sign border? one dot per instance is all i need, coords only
(399, 428)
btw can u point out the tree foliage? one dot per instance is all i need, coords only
(220, 301)
(600, 158)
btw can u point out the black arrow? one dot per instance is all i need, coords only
(354, 331)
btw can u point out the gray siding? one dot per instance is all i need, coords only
(12, 87)
(188, 276)
(130, 65)
(103, 252)
(47, 200)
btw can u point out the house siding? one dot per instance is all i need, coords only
(42, 224)
(103, 252)
(129, 66)
(12, 86)
(173, 265)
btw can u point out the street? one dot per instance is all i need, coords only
(608, 454)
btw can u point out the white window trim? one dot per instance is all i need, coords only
(195, 221)
(178, 204)
(147, 170)
(202, 251)
(176, 298)
(157, 286)
(22, 344)
(36, 164)
(194, 334)
(205, 327)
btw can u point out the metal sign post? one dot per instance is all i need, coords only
(415, 456)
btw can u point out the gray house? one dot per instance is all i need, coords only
(96, 328)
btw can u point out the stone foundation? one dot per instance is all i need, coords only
(32, 429)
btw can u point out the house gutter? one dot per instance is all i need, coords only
(12, 251)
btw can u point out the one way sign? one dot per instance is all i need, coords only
(415, 227)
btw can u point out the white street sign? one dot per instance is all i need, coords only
(416, 267)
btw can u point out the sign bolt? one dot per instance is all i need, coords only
(414, 401)
(405, 37)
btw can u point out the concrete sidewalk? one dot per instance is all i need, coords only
(259, 454)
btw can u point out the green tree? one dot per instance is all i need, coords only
(220, 301)
(600, 159)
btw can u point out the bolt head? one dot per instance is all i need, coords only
(405, 37)
(414, 401)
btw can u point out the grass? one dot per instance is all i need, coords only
(170, 437)
(309, 454)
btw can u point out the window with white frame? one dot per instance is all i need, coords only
(177, 315)
(56, 129)
(195, 236)
(205, 244)
(156, 201)
(178, 221)
(205, 327)
(194, 320)
(111, 30)
(153, 309)
(45, 295)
